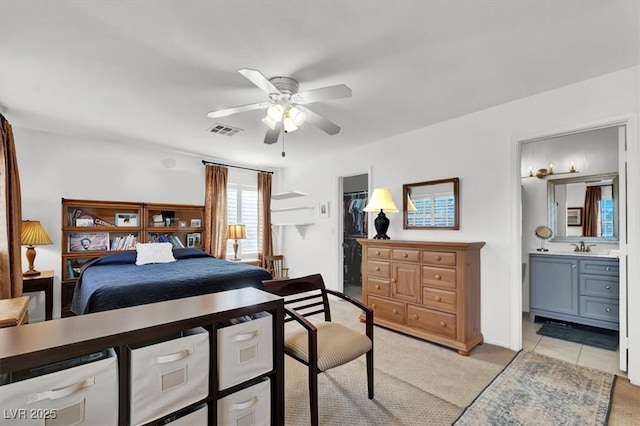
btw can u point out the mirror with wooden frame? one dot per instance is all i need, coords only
(431, 205)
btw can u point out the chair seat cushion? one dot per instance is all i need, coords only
(337, 344)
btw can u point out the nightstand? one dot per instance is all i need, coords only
(42, 282)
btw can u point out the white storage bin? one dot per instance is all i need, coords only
(86, 394)
(168, 376)
(247, 407)
(245, 350)
(199, 417)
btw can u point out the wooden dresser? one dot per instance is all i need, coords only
(426, 289)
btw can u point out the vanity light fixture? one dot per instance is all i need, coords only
(543, 173)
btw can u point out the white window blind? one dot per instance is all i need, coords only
(242, 208)
(432, 210)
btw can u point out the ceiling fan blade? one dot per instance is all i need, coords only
(259, 80)
(235, 110)
(324, 94)
(322, 123)
(272, 135)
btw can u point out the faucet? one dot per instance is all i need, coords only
(582, 248)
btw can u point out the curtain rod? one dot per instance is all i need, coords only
(209, 163)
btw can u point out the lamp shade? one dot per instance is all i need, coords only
(33, 234)
(381, 200)
(410, 206)
(236, 232)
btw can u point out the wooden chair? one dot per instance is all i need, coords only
(321, 345)
(275, 265)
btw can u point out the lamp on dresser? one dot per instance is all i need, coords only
(236, 232)
(381, 200)
(33, 234)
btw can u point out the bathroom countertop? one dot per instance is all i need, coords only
(608, 254)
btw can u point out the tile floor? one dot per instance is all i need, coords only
(579, 354)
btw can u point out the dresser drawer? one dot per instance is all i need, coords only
(378, 286)
(599, 309)
(378, 269)
(442, 300)
(600, 267)
(443, 258)
(386, 309)
(432, 321)
(599, 286)
(406, 255)
(439, 277)
(378, 253)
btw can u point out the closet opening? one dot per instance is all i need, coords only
(355, 225)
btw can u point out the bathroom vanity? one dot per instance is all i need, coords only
(577, 287)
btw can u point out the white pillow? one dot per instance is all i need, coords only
(154, 253)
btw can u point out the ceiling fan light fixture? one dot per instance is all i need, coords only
(297, 115)
(269, 122)
(289, 125)
(274, 112)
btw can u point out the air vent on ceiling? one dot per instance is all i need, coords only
(223, 129)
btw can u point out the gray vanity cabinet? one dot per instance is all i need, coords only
(578, 289)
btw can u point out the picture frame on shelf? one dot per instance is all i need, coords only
(127, 219)
(196, 223)
(323, 209)
(191, 241)
(574, 216)
(182, 223)
(197, 239)
(88, 241)
(84, 222)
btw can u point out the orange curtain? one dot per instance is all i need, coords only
(264, 217)
(215, 211)
(590, 220)
(10, 217)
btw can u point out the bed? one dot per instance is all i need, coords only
(115, 281)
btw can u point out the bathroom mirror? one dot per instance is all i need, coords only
(584, 208)
(431, 204)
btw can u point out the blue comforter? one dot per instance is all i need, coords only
(114, 281)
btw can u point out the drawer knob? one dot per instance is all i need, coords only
(443, 324)
(393, 280)
(405, 255)
(437, 258)
(415, 316)
(377, 253)
(608, 309)
(437, 277)
(607, 287)
(373, 305)
(377, 287)
(573, 266)
(377, 268)
(395, 311)
(438, 298)
(607, 268)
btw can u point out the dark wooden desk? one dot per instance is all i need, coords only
(42, 282)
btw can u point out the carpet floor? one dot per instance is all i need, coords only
(416, 383)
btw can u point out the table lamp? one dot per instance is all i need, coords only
(33, 234)
(381, 200)
(236, 232)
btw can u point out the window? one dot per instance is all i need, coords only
(242, 207)
(433, 210)
(606, 218)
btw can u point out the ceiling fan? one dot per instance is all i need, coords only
(285, 110)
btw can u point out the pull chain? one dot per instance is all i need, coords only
(283, 153)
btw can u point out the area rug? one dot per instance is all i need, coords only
(537, 390)
(592, 336)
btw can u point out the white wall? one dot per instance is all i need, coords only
(480, 149)
(53, 167)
